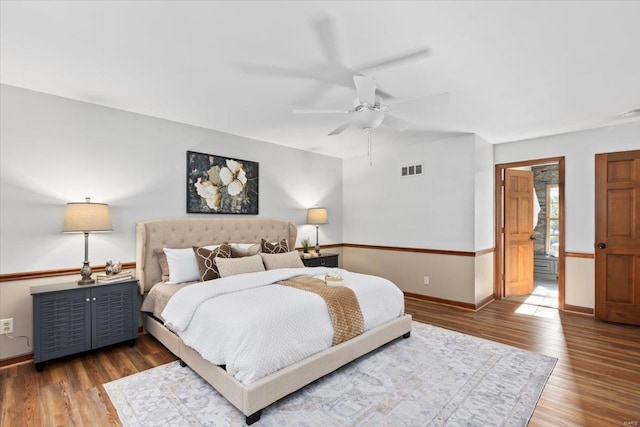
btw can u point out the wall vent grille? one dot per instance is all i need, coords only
(412, 170)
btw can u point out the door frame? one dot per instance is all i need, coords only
(498, 286)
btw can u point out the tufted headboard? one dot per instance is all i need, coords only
(188, 232)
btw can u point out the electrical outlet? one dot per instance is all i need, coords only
(426, 280)
(6, 326)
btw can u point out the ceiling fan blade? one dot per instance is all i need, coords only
(312, 96)
(271, 70)
(396, 123)
(416, 54)
(379, 91)
(312, 111)
(326, 34)
(340, 129)
(383, 93)
(434, 99)
(366, 89)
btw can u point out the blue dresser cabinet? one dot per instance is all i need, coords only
(70, 318)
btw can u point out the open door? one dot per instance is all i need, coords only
(518, 229)
(617, 253)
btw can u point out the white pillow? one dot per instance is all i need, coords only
(242, 245)
(283, 260)
(232, 266)
(244, 249)
(183, 266)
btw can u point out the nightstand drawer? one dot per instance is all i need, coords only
(323, 260)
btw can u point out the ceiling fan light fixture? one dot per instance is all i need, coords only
(368, 119)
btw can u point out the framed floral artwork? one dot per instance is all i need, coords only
(221, 185)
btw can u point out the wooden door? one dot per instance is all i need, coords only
(518, 230)
(617, 251)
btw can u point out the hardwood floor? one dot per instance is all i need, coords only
(595, 382)
(69, 391)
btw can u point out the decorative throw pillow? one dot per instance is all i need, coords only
(232, 266)
(274, 248)
(284, 260)
(162, 261)
(183, 266)
(206, 260)
(239, 250)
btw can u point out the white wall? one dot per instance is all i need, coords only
(449, 207)
(55, 150)
(434, 210)
(484, 195)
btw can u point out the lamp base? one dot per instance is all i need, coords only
(317, 248)
(85, 272)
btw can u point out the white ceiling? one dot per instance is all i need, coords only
(513, 70)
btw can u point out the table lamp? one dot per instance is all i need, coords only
(86, 217)
(317, 216)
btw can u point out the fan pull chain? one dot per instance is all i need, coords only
(370, 150)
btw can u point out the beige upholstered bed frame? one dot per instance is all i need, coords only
(252, 398)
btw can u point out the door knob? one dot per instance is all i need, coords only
(532, 238)
(601, 245)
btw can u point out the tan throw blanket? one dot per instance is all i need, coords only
(342, 303)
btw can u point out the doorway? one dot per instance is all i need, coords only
(529, 224)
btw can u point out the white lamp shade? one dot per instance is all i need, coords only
(317, 216)
(85, 217)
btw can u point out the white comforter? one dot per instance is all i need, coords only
(256, 327)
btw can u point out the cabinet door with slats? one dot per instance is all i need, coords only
(63, 322)
(114, 313)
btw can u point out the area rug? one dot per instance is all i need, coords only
(437, 377)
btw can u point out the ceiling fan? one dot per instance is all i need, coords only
(331, 69)
(369, 111)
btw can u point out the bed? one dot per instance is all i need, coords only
(250, 398)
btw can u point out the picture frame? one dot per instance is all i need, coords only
(221, 185)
